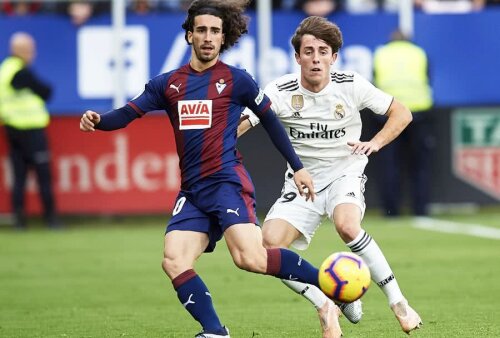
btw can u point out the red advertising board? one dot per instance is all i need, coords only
(126, 171)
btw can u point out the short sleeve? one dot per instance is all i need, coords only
(369, 96)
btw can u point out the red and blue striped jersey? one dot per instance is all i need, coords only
(204, 109)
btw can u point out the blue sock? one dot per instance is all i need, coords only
(194, 296)
(286, 264)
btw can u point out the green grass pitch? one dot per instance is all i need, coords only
(102, 278)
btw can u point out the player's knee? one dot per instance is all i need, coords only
(172, 267)
(250, 262)
(347, 230)
(270, 240)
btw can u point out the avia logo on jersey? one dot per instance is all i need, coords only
(195, 114)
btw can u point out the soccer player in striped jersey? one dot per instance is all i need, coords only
(320, 110)
(203, 101)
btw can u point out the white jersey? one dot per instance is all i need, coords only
(319, 125)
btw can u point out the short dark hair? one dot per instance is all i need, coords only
(234, 21)
(320, 28)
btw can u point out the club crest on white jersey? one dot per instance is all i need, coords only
(338, 112)
(195, 114)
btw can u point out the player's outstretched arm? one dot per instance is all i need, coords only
(89, 120)
(111, 120)
(398, 118)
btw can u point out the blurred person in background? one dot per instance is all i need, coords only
(450, 6)
(276, 4)
(203, 100)
(320, 109)
(142, 7)
(80, 11)
(317, 7)
(401, 69)
(23, 112)
(20, 7)
(370, 6)
(173, 5)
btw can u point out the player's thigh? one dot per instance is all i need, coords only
(187, 236)
(304, 216)
(346, 205)
(279, 233)
(244, 242)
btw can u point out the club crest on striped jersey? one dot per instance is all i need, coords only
(297, 102)
(194, 114)
(220, 85)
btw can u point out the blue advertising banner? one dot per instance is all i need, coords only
(464, 52)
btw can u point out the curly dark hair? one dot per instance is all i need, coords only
(320, 28)
(234, 21)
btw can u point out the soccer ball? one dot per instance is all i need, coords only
(344, 277)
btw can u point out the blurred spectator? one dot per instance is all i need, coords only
(370, 6)
(23, 111)
(174, 5)
(141, 7)
(20, 7)
(401, 69)
(361, 6)
(81, 11)
(317, 7)
(276, 4)
(449, 6)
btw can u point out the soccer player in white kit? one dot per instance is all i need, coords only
(320, 112)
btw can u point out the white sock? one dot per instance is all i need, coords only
(366, 247)
(310, 292)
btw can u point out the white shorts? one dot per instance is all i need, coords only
(348, 186)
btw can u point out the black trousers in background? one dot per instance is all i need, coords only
(409, 155)
(29, 149)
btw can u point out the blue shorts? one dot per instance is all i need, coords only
(215, 203)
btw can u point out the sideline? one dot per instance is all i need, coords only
(477, 230)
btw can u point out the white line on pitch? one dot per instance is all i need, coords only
(477, 230)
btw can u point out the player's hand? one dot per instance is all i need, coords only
(244, 125)
(366, 148)
(243, 117)
(304, 183)
(89, 120)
